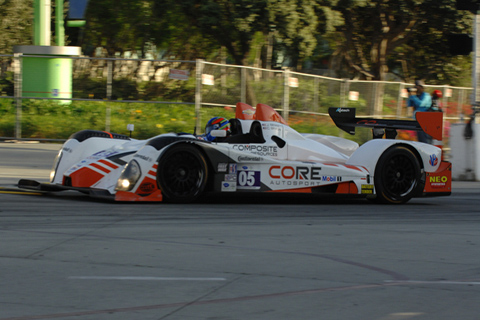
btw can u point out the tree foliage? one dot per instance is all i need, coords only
(16, 20)
(408, 37)
(119, 26)
(362, 39)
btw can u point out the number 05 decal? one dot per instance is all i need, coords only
(248, 180)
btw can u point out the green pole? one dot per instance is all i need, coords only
(41, 19)
(59, 24)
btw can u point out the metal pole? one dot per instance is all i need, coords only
(286, 95)
(108, 110)
(41, 19)
(109, 79)
(18, 93)
(476, 61)
(198, 93)
(59, 24)
(243, 85)
(315, 99)
(400, 101)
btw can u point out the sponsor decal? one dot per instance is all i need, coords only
(141, 156)
(367, 189)
(438, 181)
(232, 168)
(222, 167)
(247, 158)
(248, 179)
(248, 112)
(69, 150)
(260, 150)
(342, 110)
(102, 154)
(433, 160)
(331, 179)
(297, 176)
(296, 173)
(230, 177)
(147, 187)
(228, 186)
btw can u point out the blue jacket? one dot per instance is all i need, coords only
(420, 103)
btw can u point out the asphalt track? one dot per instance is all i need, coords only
(65, 256)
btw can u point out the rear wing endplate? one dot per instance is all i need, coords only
(430, 122)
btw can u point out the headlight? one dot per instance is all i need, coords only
(129, 177)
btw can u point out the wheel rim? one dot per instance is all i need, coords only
(399, 176)
(183, 174)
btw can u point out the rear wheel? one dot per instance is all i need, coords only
(397, 175)
(182, 173)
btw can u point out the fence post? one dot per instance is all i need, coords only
(286, 94)
(344, 88)
(400, 101)
(243, 85)
(108, 110)
(198, 92)
(459, 112)
(18, 93)
(315, 101)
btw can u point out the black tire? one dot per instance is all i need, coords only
(397, 176)
(182, 173)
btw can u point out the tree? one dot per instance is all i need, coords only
(379, 35)
(119, 26)
(296, 25)
(231, 24)
(16, 24)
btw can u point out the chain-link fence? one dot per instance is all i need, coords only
(163, 95)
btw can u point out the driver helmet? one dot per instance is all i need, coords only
(216, 123)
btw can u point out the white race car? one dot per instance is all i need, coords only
(260, 154)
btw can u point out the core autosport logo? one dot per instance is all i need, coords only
(257, 149)
(296, 173)
(433, 160)
(288, 176)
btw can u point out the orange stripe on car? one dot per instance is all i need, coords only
(99, 167)
(85, 177)
(299, 190)
(108, 163)
(353, 167)
(111, 136)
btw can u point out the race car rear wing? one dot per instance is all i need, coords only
(430, 122)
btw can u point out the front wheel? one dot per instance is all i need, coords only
(182, 173)
(397, 175)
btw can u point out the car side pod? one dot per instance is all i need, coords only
(439, 183)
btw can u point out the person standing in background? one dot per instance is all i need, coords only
(420, 100)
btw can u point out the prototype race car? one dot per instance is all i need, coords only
(260, 154)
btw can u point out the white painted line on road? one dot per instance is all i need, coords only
(145, 278)
(434, 282)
